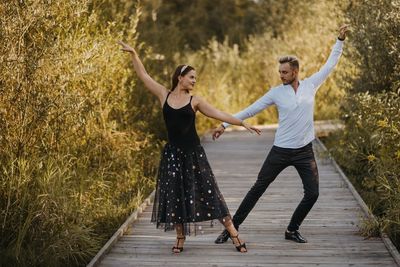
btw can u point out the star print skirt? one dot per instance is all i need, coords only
(187, 192)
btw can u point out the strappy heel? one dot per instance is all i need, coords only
(177, 245)
(240, 246)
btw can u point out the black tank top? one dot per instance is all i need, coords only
(181, 125)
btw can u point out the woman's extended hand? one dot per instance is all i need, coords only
(126, 47)
(251, 128)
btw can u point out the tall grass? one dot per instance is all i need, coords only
(71, 167)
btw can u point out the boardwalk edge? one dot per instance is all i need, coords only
(386, 240)
(121, 231)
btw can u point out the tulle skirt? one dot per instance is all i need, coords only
(187, 192)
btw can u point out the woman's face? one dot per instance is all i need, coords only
(188, 80)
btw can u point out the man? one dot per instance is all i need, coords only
(292, 145)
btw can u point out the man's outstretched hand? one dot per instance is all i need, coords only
(342, 32)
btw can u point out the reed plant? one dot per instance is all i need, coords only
(75, 161)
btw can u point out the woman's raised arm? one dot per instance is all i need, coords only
(153, 86)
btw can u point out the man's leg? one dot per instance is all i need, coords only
(275, 162)
(306, 166)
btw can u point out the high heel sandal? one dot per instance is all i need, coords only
(239, 248)
(176, 247)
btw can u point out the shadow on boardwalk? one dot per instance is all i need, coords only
(331, 227)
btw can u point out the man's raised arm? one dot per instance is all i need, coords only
(319, 77)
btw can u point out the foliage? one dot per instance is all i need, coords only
(71, 170)
(376, 35)
(368, 148)
(369, 151)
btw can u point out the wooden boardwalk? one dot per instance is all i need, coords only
(331, 227)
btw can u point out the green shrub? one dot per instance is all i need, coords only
(375, 37)
(369, 151)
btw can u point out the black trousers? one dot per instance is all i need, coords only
(278, 159)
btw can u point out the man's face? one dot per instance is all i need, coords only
(287, 73)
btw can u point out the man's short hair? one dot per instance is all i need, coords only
(292, 60)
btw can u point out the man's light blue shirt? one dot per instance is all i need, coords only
(296, 110)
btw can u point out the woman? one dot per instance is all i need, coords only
(186, 190)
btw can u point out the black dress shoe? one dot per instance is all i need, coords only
(295, 236)
(223, 237)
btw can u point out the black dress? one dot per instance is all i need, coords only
(186, 191)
